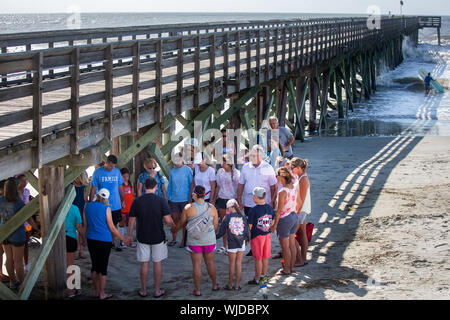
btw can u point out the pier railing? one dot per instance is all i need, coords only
(429, 22)
(155, 77)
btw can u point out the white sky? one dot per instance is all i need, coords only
(412, 7)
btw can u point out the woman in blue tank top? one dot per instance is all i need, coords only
(99, 226)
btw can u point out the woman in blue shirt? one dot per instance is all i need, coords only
(150, 171)
(99, 226)
(73, 224)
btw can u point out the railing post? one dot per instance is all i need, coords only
(5, 77)
(267, 53)
(37, 110)
(108, 65)
(237, 61)
(75, 100)
(226, 62)
(159, 115)
(249, 61)
(212, 66)
(258, 56)
(136, 87)
(197, 71)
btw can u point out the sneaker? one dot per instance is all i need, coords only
(122, 245)
(14, 285)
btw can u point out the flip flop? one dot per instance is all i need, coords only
(108, 296)
(172, 243)
(301, 265)
(141, 295)
(216, 287)
(195, 293)
(159, 296)
(238, 288)
(227, 287)
(285, 273)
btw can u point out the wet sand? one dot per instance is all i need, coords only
(381, 214)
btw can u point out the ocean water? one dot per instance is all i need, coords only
(398, 107)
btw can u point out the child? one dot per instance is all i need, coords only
(260, 219)
(128, 193)
(236, 227)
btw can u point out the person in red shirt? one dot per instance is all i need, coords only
(129, 197)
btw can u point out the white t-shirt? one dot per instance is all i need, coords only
(204, 179)
(261, 176)
(228, 187)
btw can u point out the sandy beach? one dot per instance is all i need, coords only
(381, 214)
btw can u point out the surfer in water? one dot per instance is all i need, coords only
(427, 81)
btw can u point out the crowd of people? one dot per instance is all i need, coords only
(206, 201)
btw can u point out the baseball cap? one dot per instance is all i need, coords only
(104, 193)
(231, 203)
(259, 192)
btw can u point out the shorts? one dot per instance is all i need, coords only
(237, 250)
(302, 217)
(261, 247)
(14, 243)
(246, 210)
(116, 216)
(202, 249)
(99, 252)
(71, 244)
(157, 252)
(287, 225)
(221, 203)
(177, 207)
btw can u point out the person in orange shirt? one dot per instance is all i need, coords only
(129, 197)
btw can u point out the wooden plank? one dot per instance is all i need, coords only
(37, 111)
(75, 101)
(109, 86)
(6, 293)
(135, 87)
(47, 244)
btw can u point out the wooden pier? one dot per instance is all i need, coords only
(67, 97)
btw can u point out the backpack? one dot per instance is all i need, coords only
(198, 227)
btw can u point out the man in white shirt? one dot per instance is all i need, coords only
(256, 173)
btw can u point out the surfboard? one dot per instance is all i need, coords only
(434, 84)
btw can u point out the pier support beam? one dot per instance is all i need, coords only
(313, 101)
(51, 192)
